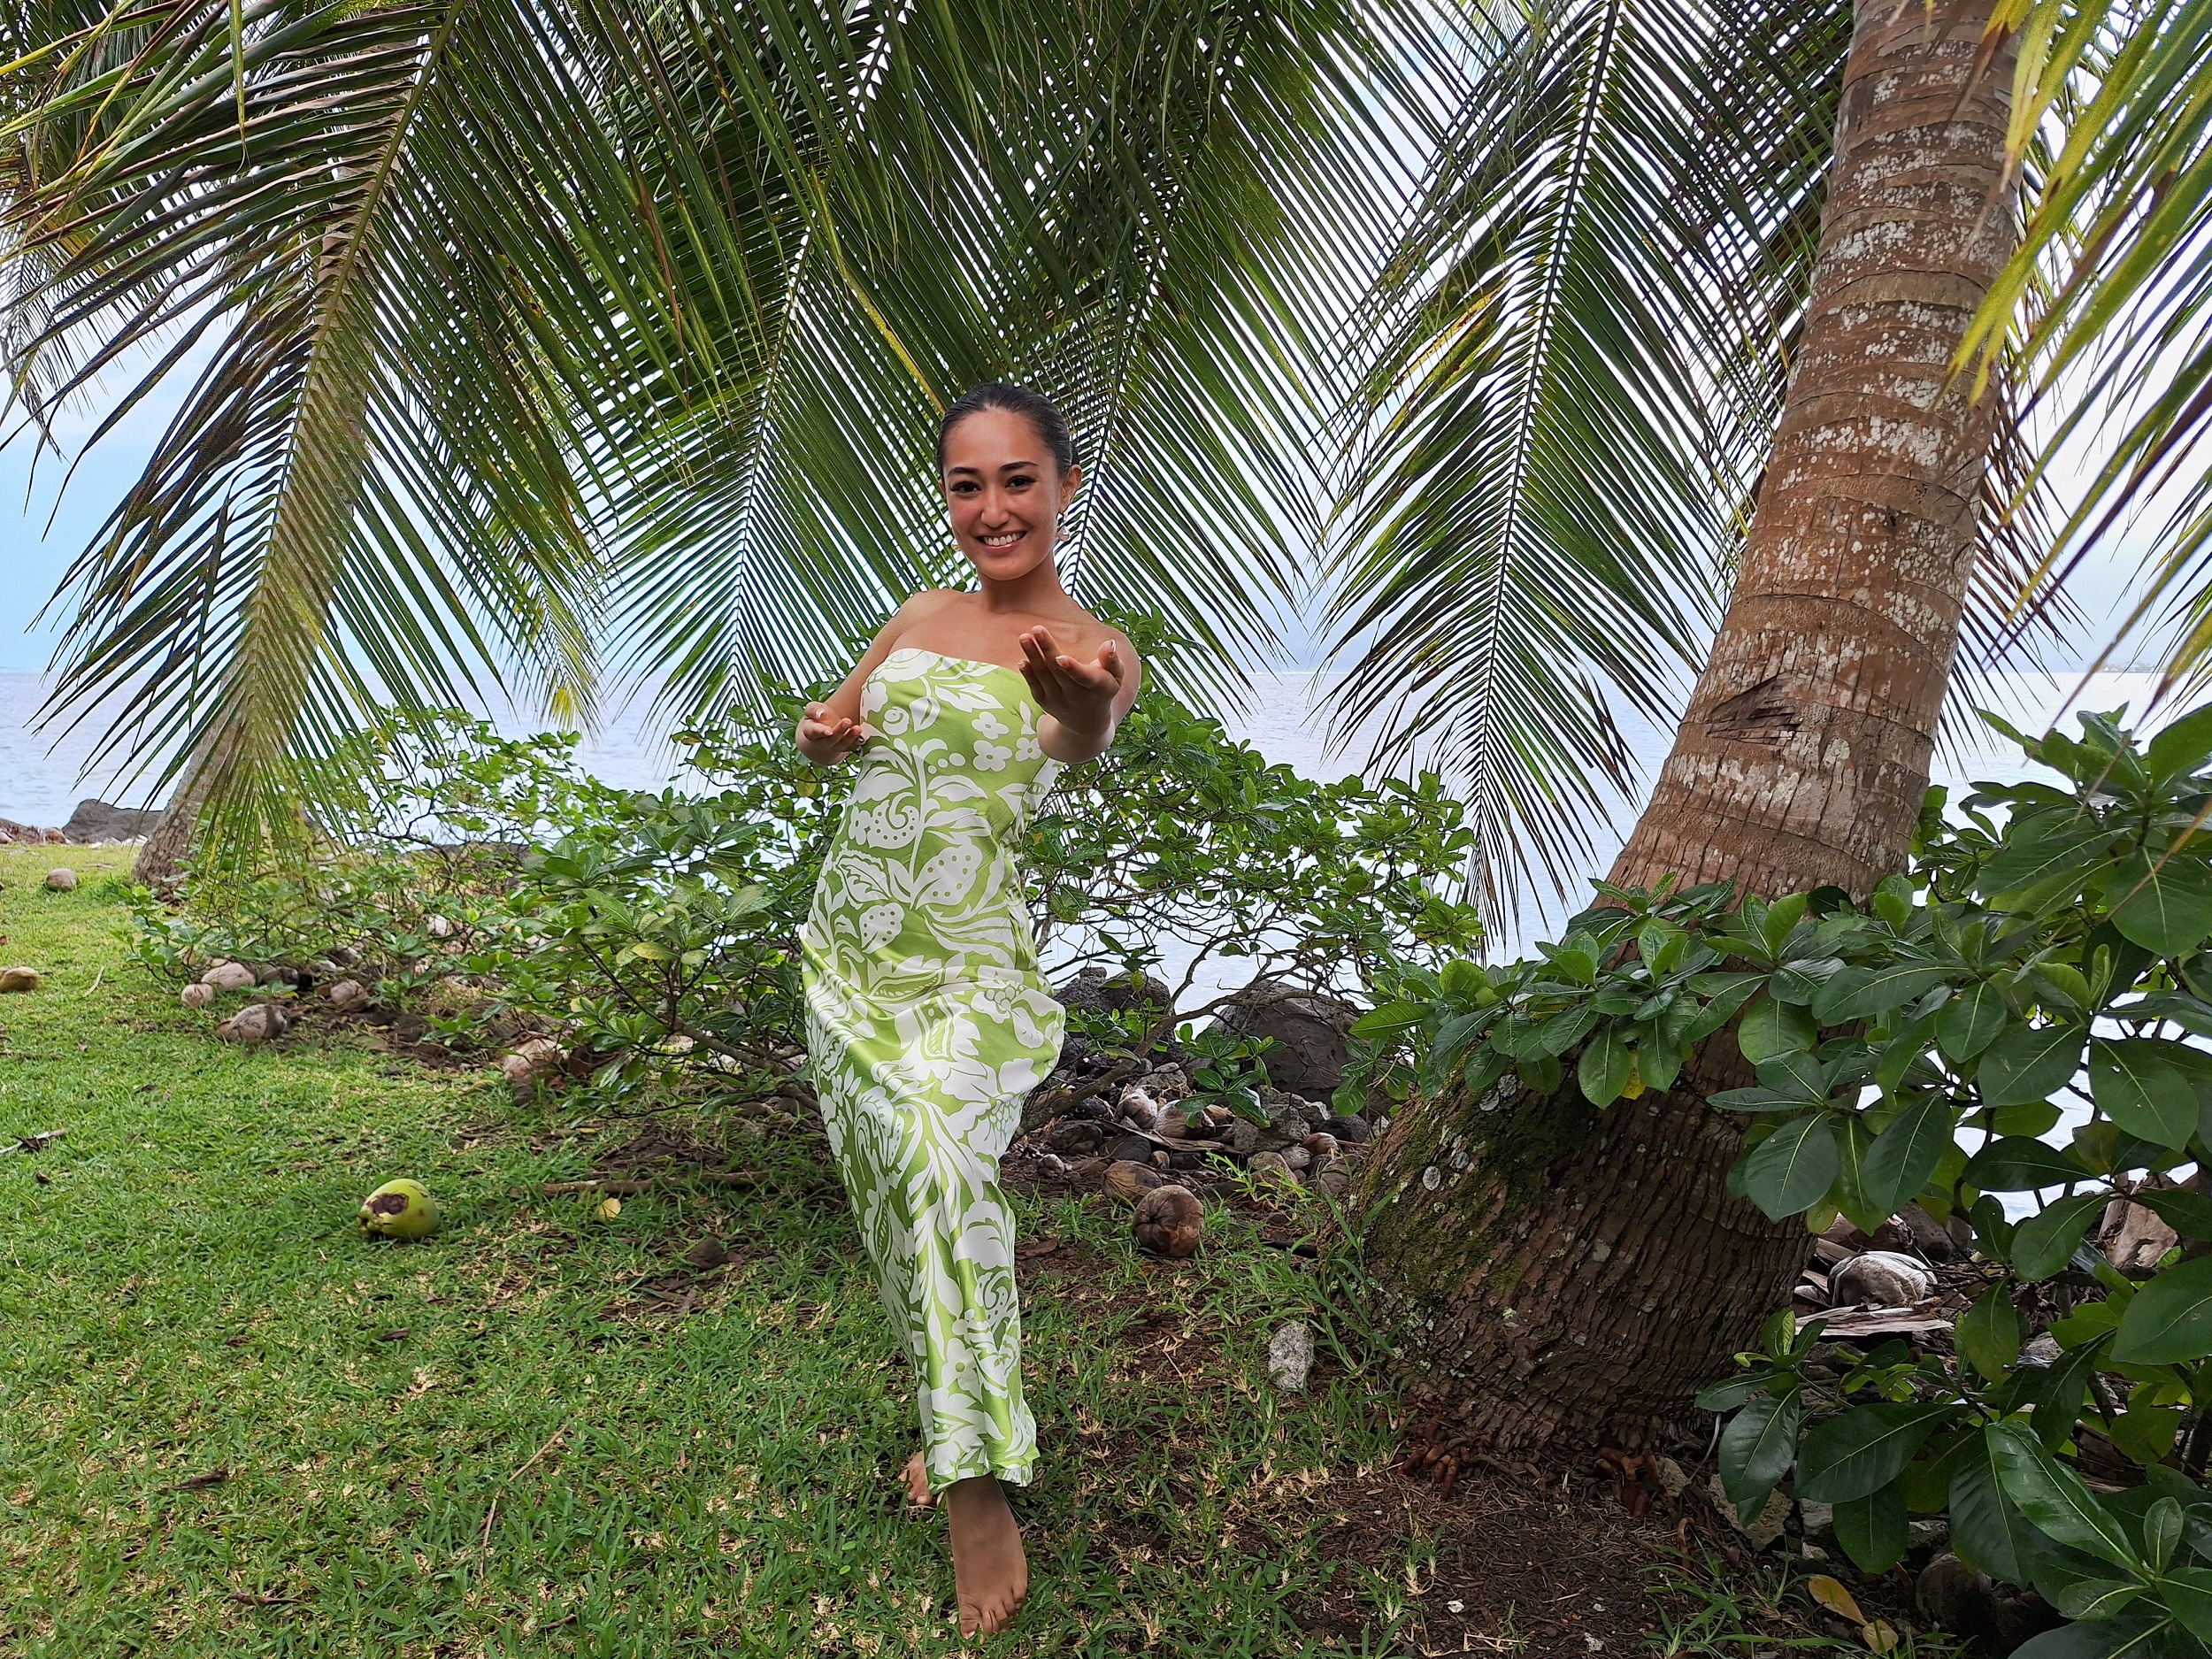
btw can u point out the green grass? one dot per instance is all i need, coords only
(185, 1296)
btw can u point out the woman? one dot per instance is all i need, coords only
(927, 1022)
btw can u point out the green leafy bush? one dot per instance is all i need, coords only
(2044, 961)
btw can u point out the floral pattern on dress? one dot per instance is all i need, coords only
(928, 1025)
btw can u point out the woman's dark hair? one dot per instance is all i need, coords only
(1034, 407)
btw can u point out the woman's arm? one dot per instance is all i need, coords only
(829, 731)
(1084, 703)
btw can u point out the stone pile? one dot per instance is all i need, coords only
(92, 822)
(1129, 1138)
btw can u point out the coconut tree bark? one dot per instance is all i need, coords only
(1576, 1275)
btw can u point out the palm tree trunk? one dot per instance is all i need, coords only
(1581, 1273)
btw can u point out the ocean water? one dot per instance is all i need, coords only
(44, 773)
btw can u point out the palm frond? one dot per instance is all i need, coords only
(1576, 360)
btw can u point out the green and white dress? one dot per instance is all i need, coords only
(927, 1023)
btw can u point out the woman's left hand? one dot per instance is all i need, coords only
(1078, 695)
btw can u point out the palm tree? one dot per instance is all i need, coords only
(1591, 1270)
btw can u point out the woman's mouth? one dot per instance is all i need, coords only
(1001, 538)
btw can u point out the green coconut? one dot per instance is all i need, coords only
(399, 1210)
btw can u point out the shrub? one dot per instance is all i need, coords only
(2045, 958)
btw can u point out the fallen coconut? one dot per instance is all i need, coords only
(348, 996)
(18, 980)
(230, 976)
(197, 995)
(61, 879)
(1879, 1278)
(1130, 1182)
(1171, 1222)
(256, 1022)
(399, 1210)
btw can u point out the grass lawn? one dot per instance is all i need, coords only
(232, 1426)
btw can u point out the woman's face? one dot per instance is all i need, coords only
(1004, 492)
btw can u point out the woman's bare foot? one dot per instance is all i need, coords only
(988, 1569)
(916, 1474)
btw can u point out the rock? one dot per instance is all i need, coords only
(229, 976)
(1290, 1115)
(348, 996)
(1095, 991)
(1290, 1356)
(1764, 1527)
(1271, 1166)
(1954, 1596)
(1171, 1222)
(1929, 1533)
(344, 956)
(409, 1029)
(2040, 1349)
(52, 837)
(1313, 1032)
(1074, 1136)
(439, 927)
(1132, 1149)
(1674, 1480)
(1818, 1520)
(18, 980)
(1166, 1083)
(1130, 1182)
(2134, 1236)
(708, 1252)
(1185, 1158)
(256, 1022)
(21, 833)
(399, 1210)
(61, 879)
(1351, 1128)
(97, 821)
(1880, 1278)
(197, 995)
(1297, 1156)
(1240, 1136)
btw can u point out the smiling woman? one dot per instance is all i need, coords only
(927, 1020)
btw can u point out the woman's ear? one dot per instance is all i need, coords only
(1068, 485)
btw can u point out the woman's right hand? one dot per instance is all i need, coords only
(826, 737)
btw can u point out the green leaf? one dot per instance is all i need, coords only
(2053, 1497)
(2097, 1598)
(1728, 1394)
(2164, 908)
(2135, 1086)
(2037, 859)
(1758, 1446)
(1792, 1168)
(2030, 1063)
(1986, 1527)
(1770, 1028)
(2046, 1242)
(1970, 1021)
(2055, 1398)
(1860, 1451)
(2181, 747)
(1604, 1068)
(2163, 1526)
(2188, 1593)
(1906, 1154)
(2170, 1320)
(1989, 1334)
(1392, 1019)
(1874, 1529)
(1849, 1195)
(1859, 992)
(2016, 1164)
(2145, 1434)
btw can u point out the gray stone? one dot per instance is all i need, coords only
(1095, 991)
(1351, 1128)
(1313, 1032)
(1764, 1527)
(1930, 1533)
(97, 821)
(1132, 1149)
(1075, 1136)
(1241, 1136)
(1818, 1519)
(1290, 1356)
